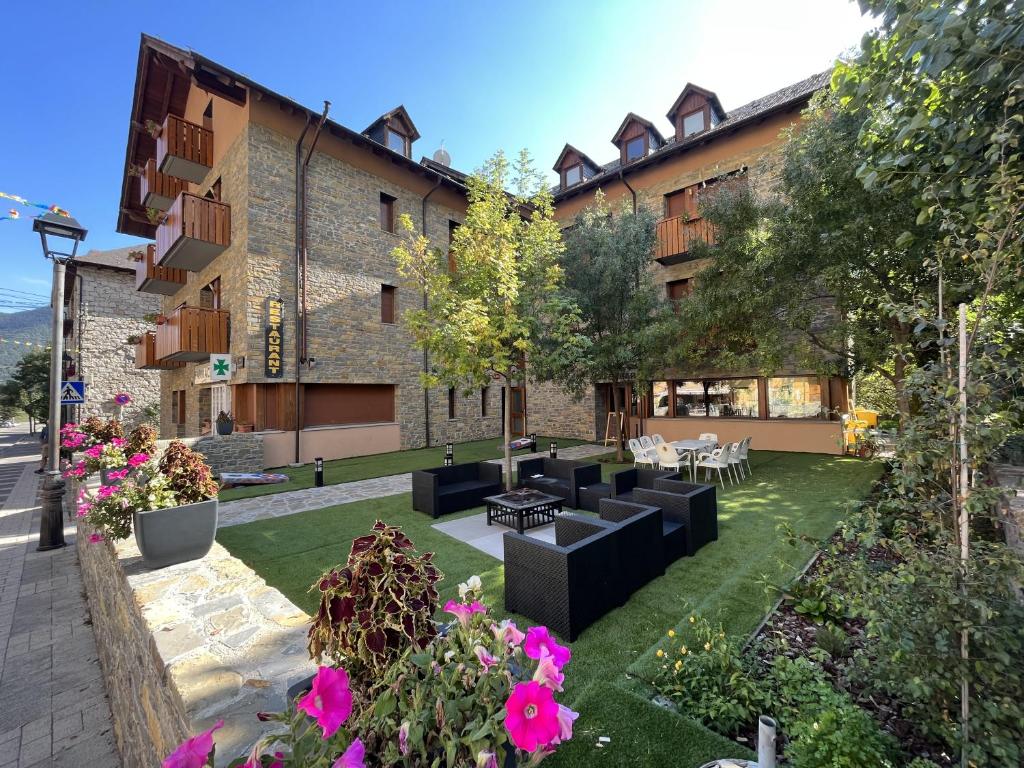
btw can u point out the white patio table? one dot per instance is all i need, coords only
(692, 447)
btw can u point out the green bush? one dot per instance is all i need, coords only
(833, 641)
(815, 600)
(843, 737)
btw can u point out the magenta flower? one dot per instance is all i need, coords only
(464, 611)
(94, 452)
(566, 717)
(84, 508)
(330, 700)
(486, 659)
(137, 459)
(76, 471)
(106, 491)
(73, 440)
(548, 673)
(278, 760)
(403, 738)
(539, 642)
(353, 756)
(508, 633)
(117, 474)
(193, 752)
(117, 442)
(531, 716)
(96, 538)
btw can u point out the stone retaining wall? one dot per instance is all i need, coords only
(185, 646)
(1011, 478)
(237, 452)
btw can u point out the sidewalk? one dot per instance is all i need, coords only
(53, 705)
(292, 502)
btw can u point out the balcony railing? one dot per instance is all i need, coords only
(145, 355)
(678, 234)
(150, 277)
(192, 333)
(159, 190)
(194, 232)
(184, 149)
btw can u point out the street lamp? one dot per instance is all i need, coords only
(54, 230)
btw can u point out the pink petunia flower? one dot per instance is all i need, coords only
(566, 717)
(548, 673)
(137, 459)
(96, 538)
(531, 716)
(353, 756)
(278, 760)
(117, 474)
(117, 442)
(329, 702)
(106, 491)
(486, 659)
(539, 642)
(193, 752)
(464, 611)
(84, 508)
(403, 738)
(94, 452)
(508, 633)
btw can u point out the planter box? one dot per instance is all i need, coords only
(105, 476)
(175, 535)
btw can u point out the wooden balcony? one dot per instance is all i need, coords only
(145, 355)
(184, 149)
(192, 334)
(678, 234)
(150, 277)
(159, 190)
(194, 232)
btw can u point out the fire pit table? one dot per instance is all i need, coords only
(522, 509)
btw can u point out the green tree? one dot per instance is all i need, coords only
(607, 264)
(28, 388)
(810, 274)
(501, 304)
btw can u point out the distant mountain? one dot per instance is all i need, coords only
(30, 325)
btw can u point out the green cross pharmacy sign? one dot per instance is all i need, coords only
(220, 367)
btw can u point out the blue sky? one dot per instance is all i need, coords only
(477, 75)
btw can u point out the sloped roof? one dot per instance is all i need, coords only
(115, 258)
(689, 88)
(570, 148)
(400, 113)
(632, 117)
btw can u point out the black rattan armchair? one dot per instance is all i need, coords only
(567, 585)
(625, 481)
(689, 506)
(641, 546)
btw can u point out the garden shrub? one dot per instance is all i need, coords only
(188, 473)
(815, 600)
(142, 439)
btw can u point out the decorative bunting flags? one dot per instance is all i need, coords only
(23, 343)
(13, 213)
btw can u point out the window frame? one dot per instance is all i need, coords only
(484, 392)
(388, 133)
(387, 212)
(642, 138)
(451, 403)
(703, 122)
(821, 397)
(565, 175)
(392, 291)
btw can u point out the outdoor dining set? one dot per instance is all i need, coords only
(702, 453)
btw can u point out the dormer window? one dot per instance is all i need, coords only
(394, 130)
(573, 167)
(573, 175)
(693, 123)
(636, 148)
(397, 142)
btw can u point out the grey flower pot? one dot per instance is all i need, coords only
(225, 427)
(177, 534)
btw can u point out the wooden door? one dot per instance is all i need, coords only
(682, 203)
(518, 412)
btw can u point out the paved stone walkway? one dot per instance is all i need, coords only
(293, 502)
(53, 706)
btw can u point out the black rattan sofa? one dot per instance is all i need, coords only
(689, 515)
(559, 477)
(442, 490)
(624, 482)
(567, 585)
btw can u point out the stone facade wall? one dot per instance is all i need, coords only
(106, 310)
(237, 452)
(185, 646)
(552, 411)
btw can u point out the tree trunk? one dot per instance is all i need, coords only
(507, 432)
(617, 422)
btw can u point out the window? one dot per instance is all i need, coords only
(659, 398)
(693, 123)
(573, 175)
(209, 295)
(397, 142)
(636, 148)
(214, 192)
(690, 398)
(794, 397)
(678, 289)
(178, 407)
(451, 402)
(336, 404)
(727, 398)
(387, 303)
(387, 212)
(682, 202)
(483, 400)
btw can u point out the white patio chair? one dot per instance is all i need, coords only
(745, 451)
(717, 459)
(735, 462)
(669, 459)
(646, 442)
(641, 455)
(710, 437)
(658, 439)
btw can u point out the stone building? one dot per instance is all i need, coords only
(102, 312)
(706, 146)
(320, 364)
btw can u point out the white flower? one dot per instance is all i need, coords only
(472, 583)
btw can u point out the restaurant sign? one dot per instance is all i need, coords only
(274, 339)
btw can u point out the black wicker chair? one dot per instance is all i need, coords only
(567, 585)
(589, 496)
(641, 546)
(625, 481)
(559, 477)
(690, 515)
(442, 490)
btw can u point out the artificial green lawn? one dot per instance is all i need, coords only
(381, 464)
(615, 655)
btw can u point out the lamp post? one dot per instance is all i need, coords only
(53, 227)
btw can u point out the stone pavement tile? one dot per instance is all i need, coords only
(97, 752)
(35, 752)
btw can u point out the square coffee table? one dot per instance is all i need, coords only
(522, 509)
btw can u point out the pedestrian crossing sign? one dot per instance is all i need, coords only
(72, 392)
